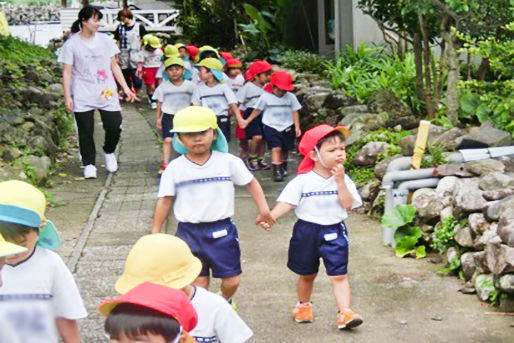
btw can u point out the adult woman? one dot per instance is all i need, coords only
(88, 80)
(129, 34)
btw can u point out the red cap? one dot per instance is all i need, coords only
(163, 299)
(280, 79)
(249, 75)
(226, 55)
(233, 63)
(309, 140)
(192, 51)
(260, 66)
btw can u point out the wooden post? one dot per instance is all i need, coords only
(125, 4)
(63, 3)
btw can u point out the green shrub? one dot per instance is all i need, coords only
(10, 48)
(304, 61)
(444, 235)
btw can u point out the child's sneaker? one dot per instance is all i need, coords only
(161, 169)
(253, 165)
(153, 105)
(263, 165)
(348, 319)
(302, 313)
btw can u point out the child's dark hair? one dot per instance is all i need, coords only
(134, 320)
(330, 136)
(86, 13)
(15, 232)
(207, 54)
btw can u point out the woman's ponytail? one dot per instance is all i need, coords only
(75, 27)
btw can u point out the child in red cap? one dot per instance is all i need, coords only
(259, 75)
(281, 122)
(322, 194)
(149, 313)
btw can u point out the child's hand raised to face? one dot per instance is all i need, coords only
(338, 172)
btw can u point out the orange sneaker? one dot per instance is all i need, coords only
(302, 313)
(348, 319)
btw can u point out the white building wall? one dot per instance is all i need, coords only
(365, 29)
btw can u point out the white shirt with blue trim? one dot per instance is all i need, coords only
(278, 111)
(217, 321)
(315, 198)
(204, 193)
(36, 292)
(217, 98)
(174, 98)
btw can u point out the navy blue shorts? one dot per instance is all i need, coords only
(279, 139)
(255, 127)
(216, 244)
(311, 241)
(167, 125)
(224, 125)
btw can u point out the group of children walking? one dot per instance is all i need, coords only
(163, 289)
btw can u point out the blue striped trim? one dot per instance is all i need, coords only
(204, 180)
(312, 194)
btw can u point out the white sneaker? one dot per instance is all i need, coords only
(90, 171)
(110, 162)
(153, 105)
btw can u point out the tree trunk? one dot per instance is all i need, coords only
(482, 70)
(442, 68)
(64, 3)
(452, 94)
(418, 60)
(426, 62)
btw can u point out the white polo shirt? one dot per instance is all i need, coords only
(249, 94)
(174, 98)
(217, 321)
(35, 293)
(152, 59)
(204, 193)
(217, 98)
(235, 83)
(315, 198)
(278, 111)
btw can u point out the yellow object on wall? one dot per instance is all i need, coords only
(421, 144)
(4, 26)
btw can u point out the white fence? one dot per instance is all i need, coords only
(153, 20)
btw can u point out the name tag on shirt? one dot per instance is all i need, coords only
(330, 236)
(221, 233)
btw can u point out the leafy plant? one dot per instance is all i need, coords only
(406, 237)
(453, 268)
(444, 235)
(304, 61)
(435, 156)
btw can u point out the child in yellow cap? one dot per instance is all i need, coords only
(200, 185)
(151, 54)
(216, 95)
(167, 260)
(37, 284)
(172, 95)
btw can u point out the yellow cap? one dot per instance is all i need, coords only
(7, 249)
(170, 51)
(211, 63)
(154, 42)
(173, 61)
(159, 258)
(180, 45)
(146, 38)
(203, 49)
(194, 119)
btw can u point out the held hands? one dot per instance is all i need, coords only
(338, 173)
(243, 123)
(265, 220)
(131, 96)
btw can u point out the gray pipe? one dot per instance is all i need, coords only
(403, 163)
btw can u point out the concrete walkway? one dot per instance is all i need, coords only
(402, 300)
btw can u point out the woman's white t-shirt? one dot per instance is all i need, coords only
(316, 199)
(204, 193)
(278, 111)
(36, 292)
(92, 81)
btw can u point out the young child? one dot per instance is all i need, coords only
(152, 55)
(216, 95)
(39, 300)
(201, 185)
(170, 51)
(235, 81)
(171, 95)
(281, 122)
(321, 195)
(149, 313)
(167, 260)
(260, 73)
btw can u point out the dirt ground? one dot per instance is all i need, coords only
(401, 300)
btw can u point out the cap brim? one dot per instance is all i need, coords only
(19, 215)
(8, 249)
(48, 236)
(287, 88)
(218, 74)
(219, 144)
(126, 282)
